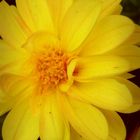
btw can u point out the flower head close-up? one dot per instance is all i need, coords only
(64, 69)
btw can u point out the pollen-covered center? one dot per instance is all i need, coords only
(52, 68)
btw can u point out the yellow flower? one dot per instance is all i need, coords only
(64, 67)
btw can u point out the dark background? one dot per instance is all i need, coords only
(131, 8)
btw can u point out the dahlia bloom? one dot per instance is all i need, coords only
(64, 69)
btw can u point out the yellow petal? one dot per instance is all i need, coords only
(87, 120)
(12, 59)
(100, 66)
(20, 20)
(59, 9)
(117, 129)
(64, 87)
(41, 41)
(135, 93)
(4, 108)
(5, 104)
(134, 62)
(52, 123)
(109, 7)
(127, 75)
(13, 89)
(71, 67)
(75, 136)
(135, 37)
(12, 29)
(78, 22)
(118, 10)
(12, 85)
(104, 93)
(109, 33)
(21, 124)
(126, 50)
(129, 52)
(36, 14)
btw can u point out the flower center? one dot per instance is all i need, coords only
(52, 68)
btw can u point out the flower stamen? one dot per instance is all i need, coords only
(52, 68)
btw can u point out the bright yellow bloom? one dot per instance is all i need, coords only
(64, 67)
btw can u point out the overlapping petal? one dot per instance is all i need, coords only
(127, 75)
(13, 85)
(13, 89)
(108, 34)
(21, 123)
(41, 41)
(126, 50)
(109, 7)
(12, 60)
(100, 66)
(78, 22)
(52, 124)
(36, 14)
(129, 52)
(135, 37)
(133, 61)
(135, 93)
(118, 10)
(58, 10)
(5, 103)
(117, 129)
(87, 120)
(12, 28)
(104, 93)
(75, 135)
